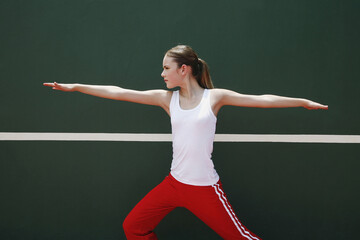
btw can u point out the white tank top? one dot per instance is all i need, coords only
(193, 133)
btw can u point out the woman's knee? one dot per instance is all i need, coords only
(135, 230)
(128, 224)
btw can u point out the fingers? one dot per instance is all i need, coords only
(314, 106)
(51, 84)
(318, 106)
(54, 85)
(48, 84)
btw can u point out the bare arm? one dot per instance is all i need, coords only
(150, 97)
(227, 97)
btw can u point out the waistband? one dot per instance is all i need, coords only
(171, 177)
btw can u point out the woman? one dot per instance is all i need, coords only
(193, 182)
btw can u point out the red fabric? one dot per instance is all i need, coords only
(209, 203)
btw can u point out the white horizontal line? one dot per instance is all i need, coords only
(141, 137)
(295, 138)
(132, 137)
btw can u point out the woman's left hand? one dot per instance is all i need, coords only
(314, 105)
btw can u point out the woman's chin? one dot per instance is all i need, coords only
(169, 86)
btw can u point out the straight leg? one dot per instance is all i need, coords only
(210, 204)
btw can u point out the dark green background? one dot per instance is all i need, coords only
(83, 190)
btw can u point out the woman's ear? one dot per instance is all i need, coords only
(184, 69)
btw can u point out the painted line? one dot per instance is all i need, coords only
(289, 138)
(141, 137)
(131, 137)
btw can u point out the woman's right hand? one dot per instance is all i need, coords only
(61, 87)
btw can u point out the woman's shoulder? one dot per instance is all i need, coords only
(217, 93)
(219, 90)
(168, 95)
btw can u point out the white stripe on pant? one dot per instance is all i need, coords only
(232, 214)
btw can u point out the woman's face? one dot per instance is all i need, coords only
(171, 73)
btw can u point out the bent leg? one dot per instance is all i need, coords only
(146, 215)
(212, 207)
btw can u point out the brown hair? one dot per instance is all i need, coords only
(184, 54)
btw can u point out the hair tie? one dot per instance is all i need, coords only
(200, 64)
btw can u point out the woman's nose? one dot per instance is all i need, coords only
(162, 74)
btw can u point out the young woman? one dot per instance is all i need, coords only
(193, 182)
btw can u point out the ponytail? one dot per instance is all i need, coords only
(204, 78)
(184, 54)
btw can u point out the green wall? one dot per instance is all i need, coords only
(84, 190)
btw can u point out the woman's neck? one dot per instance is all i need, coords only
(191, 89)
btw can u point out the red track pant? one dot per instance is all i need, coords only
(209, 203)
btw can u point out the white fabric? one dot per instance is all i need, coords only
(193, 133)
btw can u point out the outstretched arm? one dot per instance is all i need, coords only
(150, 97)
(228, 97)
